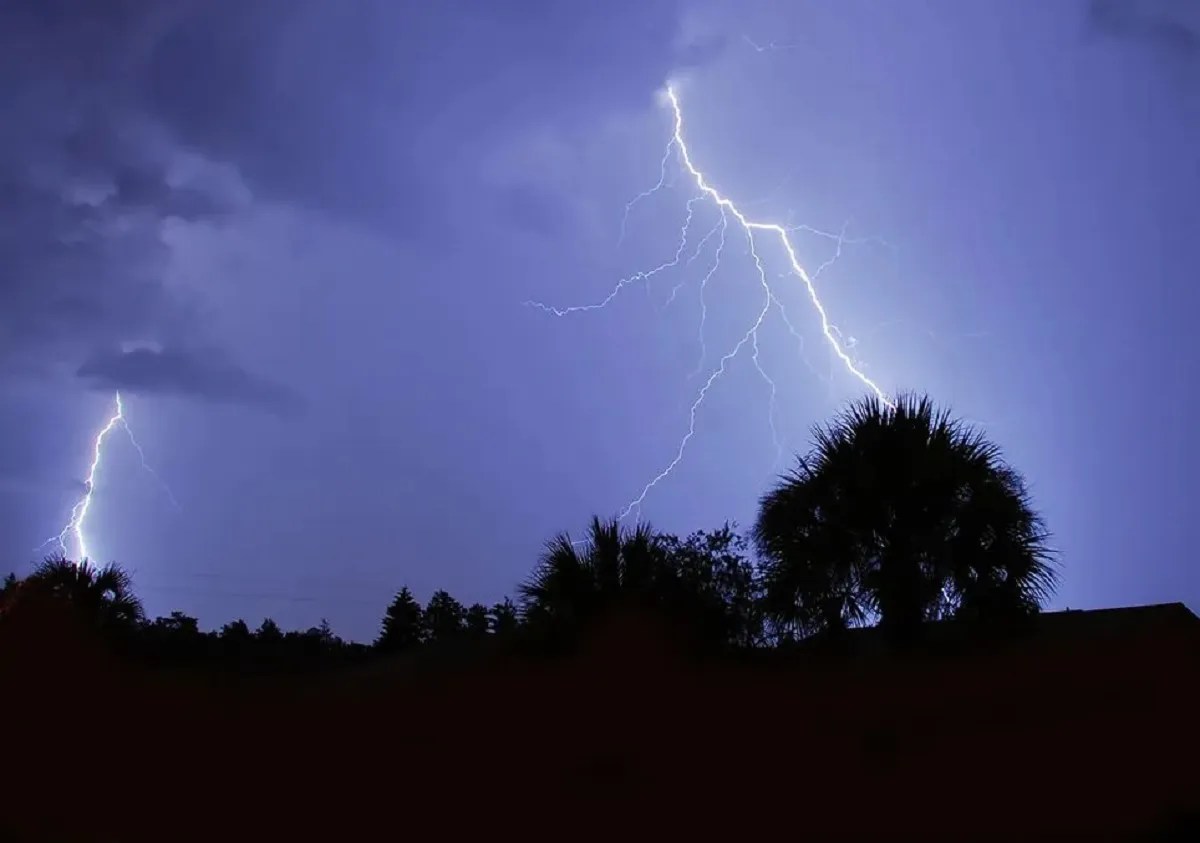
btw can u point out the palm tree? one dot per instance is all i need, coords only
(103, 596)
(903, 513)
(575, 581)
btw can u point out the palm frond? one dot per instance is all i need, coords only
(900, 510)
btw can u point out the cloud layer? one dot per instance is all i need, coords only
(204, 374)
(1163, 26)
(89, 175)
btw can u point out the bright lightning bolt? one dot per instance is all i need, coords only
(728, 211)
(79, 512)
(781, 232)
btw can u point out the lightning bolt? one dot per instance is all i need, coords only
(763, 48)
(79, 512)
(731, 214)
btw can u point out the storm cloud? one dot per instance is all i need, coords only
(136, 113)
(342, 107)
(200, 374)
(1162, 25)
(88, 180)
(82, 259)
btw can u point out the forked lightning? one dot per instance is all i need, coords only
(730, 213)
(74, 528)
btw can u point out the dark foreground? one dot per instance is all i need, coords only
(1087, 726)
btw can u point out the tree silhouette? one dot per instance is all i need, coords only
(614, 566)
(505, 617)
(268, 631)
(175, 639)
(477, 622)
(178, 623)
(403, 624)
(313, 647)
(717, 572)
(8, 592)
(236, 641)
(444, 618)
(236, 631)
(902, 513)
(102, 595)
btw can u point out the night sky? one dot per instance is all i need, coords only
(300, 237)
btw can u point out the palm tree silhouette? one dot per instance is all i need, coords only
(905, 514)
(101, 595)
(614, 566)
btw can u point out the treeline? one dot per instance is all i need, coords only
(898, 516)
(712, 568)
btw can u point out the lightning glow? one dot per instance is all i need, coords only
(730, 214)
(74, 528)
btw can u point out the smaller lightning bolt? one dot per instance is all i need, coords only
(79, 512)
(641, 275)
(146, 465)
(646, 194)
(720, 226)
(716, 264)
(771, 408)
(722, 365)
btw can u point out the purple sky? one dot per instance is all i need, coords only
(300, 236)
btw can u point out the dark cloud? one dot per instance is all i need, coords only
(1158, 25)
(73, 273)
(202, 374)
(343, 107)
(349, 109)
(88, 177)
